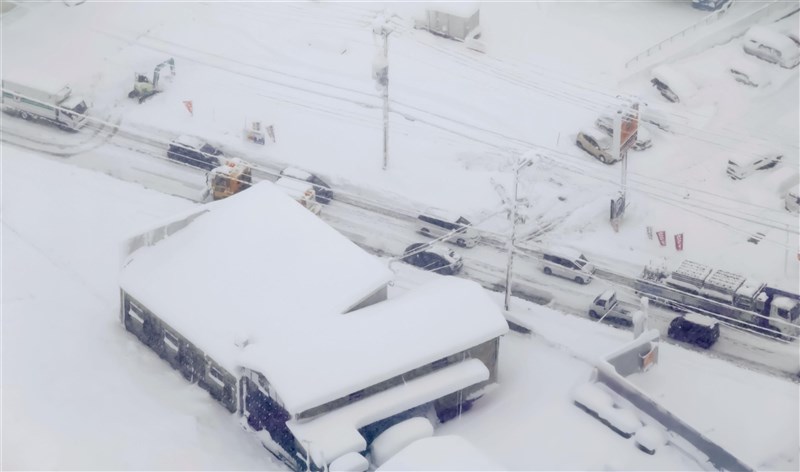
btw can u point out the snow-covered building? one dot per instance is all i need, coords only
(459, 20)
(286, 322)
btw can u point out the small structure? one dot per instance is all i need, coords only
(286, 322)
(458, 20)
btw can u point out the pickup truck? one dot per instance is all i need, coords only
(605, 307)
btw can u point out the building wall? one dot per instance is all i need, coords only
(487, 352)
(179, 352)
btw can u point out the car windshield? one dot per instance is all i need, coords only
(581, 261)
(80, 108)
(463, 221)
(208, 149)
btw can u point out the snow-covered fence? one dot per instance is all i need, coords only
(680, 35)
(612, 372)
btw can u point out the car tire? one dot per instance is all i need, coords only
(461, 243)
(548, 271)
(25, 115)
(579, 280)
(594, 314)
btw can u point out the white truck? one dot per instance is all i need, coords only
(56, 105)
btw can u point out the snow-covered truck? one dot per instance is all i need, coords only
(729, 296)
(54, 104)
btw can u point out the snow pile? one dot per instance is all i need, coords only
(440, 453)
(395, 438)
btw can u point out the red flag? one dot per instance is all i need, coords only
(188, 105)
(662, 237)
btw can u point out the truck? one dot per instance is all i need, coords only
(56, 105)
(731, 297)
(235, 175)
(605, 307)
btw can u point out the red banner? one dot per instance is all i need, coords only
(188, 105)
(679, 241)
(662, 237)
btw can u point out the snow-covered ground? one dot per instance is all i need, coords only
(80, 392)
(459, 121)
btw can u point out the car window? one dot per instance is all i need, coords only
(463, 221)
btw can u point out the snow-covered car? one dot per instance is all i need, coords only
(750, 159)
(696, 329)
(643, 138)
(673, 85)
(322, 189)
(434, 257)
(771, 46)
(748, 73)
(194, 152)
(791, 201)
(597, 144)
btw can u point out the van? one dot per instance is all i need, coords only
(771, 46)
(673, 85)
(457, 229)
(744, 164)
(568, 263)
(194, 152)
(792, 200)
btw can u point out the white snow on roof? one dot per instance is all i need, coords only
(675, 80)
(784, 303)
(296, 173)
(189, 141)
(336, 433)
(294, 188)
(373, 344)
(564, 252)
(699, 319)
(440, 453)
(253, 262)
(260, 268)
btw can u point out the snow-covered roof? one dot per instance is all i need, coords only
(189, 141)
(336, 433)
(372, 344)
(675, 80)
(254, 262)
(442, 251)
(692, 270)
(459, 9)
(564, 252)
(440, 453)
(699, 319)
(261, 272)
(724, 281)
(442, 214)
(296, 173)
(784, 303)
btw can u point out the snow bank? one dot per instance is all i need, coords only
(441, 453)
(395, 438)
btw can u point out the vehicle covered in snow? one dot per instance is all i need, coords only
(673, 85)
(44, 101)
(771, 46)
(709, 5)
(452, 228)
(321, 188)
(692, 328)
(195, 152)
(791, 201)
(749, 73)
(751, 157)
(605, 307)
(597, 144)
(733, 298)
(433, 257)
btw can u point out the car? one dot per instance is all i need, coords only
(322, 189)
(436, 223)
(672, 84)
(693, 328)
(597, 144)
(772, 46)
(709, 5)
(194, 152)
(433, 257)
(748, 73)
(605, 123)
(791, 201)
(568, 263)
(752, 157)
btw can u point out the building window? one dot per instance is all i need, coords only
(171, 340)
(135, 312)
(215, 375)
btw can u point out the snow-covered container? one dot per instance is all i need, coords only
(455, 20)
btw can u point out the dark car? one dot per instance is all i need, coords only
(194, 152)
(322, 189)
(694, 329)
(435, 258)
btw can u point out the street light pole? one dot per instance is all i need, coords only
(385, 35)
(512, 240)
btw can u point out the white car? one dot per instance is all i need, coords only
(643, 139)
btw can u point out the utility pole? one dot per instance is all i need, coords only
(526, 162)
(380, 71)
